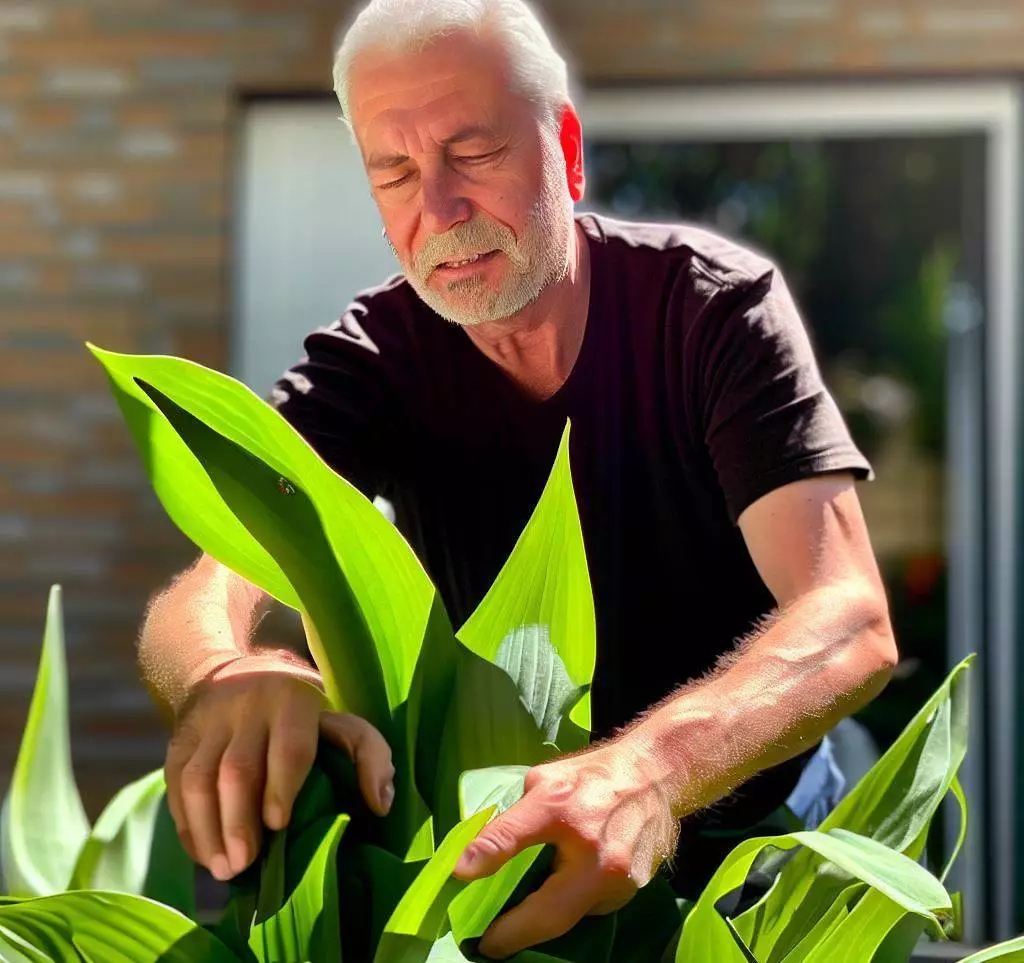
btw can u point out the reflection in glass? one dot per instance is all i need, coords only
(881, 241)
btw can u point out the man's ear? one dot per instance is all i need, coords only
(571, 139)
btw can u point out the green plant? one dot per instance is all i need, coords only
(466, 713)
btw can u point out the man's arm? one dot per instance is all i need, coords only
(247, 719)
(827, 652)
(200, 627)
(612, 811)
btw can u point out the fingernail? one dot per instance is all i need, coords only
(219, 867)
(387, 795)
(466, 861)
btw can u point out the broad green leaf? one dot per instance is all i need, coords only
(477, 906)
(372, 882)
(893, 804)
(43, 823)
(291, 528)
(480, 903)
(446, 950)
(1012, 951)
(534, 664)
(545, 582)
(108, 927)
(487, 724)
(306, 927)
(862, 932)
(13, 949)
(330, 790)
(886, 870)
(134, 848)
(364, 545)
(417, 734)
(423, 909)
(498, 786)
(705, 935)
(267, 886)
(738, 940)
(826, 923)
(901, 941)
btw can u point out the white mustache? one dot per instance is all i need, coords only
(478, 236)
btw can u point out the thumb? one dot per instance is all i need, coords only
(523, 825)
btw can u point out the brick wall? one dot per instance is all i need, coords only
(116, 145)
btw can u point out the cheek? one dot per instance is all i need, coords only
(510, 205)
(400, 229)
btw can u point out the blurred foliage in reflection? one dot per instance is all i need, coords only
(881, 242)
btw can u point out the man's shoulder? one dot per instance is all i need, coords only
(706, 253)
(381, 320)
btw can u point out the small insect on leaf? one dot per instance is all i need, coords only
(285, 487)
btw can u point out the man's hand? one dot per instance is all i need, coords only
(242, 750)
(612, 827)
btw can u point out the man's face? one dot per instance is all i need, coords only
(462, 170)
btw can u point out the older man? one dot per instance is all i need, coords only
(740, 611)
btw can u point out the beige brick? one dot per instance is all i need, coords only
(180, 250)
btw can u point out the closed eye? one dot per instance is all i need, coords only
(395, 183)
(473, 158)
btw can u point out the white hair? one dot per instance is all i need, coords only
(539, 72)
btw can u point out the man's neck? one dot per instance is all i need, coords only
(538, 347)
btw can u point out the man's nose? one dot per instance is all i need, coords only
(444, 205)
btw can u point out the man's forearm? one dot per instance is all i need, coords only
(201, 626)
(824, 657)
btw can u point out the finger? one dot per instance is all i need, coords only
(609, 906)
(240, 790)
(370, 752)
(521, 826)
(201, 804)
(550, 912)
(181, 748)
(291, 751)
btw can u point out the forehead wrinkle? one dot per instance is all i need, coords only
(408, 131)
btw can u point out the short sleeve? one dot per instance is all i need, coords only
(337, 398)
(767, 416)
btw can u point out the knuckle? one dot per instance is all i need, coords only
(535, 778)
(240, 771)
(243, 837)
(187, 843)
(339, 728)
(497, 840)
(615, 867)
(617, 871)
(183, 742)
(197, 778)
(296, 746)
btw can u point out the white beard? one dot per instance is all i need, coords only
(537, 258)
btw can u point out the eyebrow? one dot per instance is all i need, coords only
(382, 162)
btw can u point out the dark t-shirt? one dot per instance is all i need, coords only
(695, 392)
